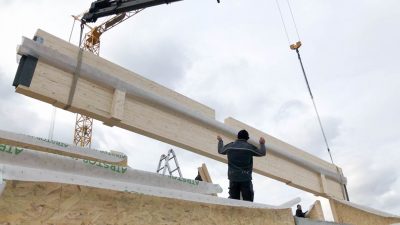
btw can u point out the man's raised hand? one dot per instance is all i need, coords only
(262, 140)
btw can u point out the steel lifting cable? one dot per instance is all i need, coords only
(294, 22)
(296, 47)
(283, 21)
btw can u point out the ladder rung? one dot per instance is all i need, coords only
(160, 169)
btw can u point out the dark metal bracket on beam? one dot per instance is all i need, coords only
(25, 71)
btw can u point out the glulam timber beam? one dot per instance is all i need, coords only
(118, 97)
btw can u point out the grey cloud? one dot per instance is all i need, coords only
(376, 188)
(229, 89)
(379, 181)
(163, 61)
(6, 2)
(16, 114)
(302, 129)
(11, 106)
(289, 109)
(391, 203)
(332, 131)
(6, 88)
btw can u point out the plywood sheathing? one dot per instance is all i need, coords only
(204, 174)
(315, 212)
(350, 213)
(51, 203)
(97, 100)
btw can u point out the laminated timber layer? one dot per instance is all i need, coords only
(52, 203)
(118, 97)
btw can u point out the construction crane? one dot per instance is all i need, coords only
(84, 124)
(120, 10)
(91, 43)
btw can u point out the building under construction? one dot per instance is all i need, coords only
(50, 182)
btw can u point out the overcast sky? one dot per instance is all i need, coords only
(235, 58)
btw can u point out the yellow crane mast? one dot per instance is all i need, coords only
(84, 124)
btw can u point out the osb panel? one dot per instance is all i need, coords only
(316, 213)
(51, 203)
(350, 215)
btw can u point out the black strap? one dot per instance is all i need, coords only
(76, 72)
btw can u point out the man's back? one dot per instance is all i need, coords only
(240, 159)
(240, 164)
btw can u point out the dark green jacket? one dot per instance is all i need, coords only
(240, 158)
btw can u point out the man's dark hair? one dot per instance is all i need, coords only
(243, 134)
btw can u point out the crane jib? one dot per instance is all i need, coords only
(102, 8)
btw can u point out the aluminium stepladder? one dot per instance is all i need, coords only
(164, 165)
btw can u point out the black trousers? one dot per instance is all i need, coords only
(244, 188)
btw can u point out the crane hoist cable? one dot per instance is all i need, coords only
(296, 47)
(283, 21)
(294, 22)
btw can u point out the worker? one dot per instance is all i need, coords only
(240, 164)
(198, 177)
(299, 211)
